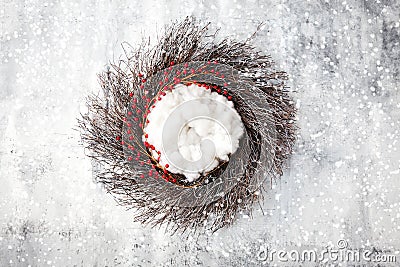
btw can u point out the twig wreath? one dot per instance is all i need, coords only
(187, 132)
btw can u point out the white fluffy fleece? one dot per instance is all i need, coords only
(193, 128)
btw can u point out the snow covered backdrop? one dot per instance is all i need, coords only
(343, 181)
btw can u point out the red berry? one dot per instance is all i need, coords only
(166, 166)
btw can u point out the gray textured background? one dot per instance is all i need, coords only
(342, 181)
